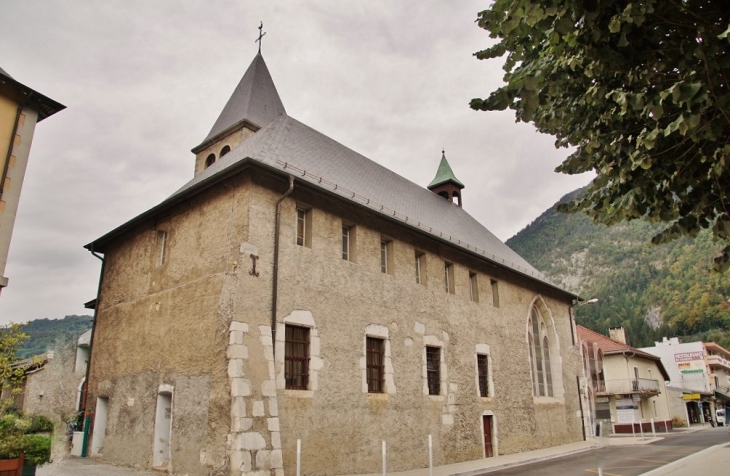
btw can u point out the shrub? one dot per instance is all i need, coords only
(40, 424)
(37, 449)
(678, 421)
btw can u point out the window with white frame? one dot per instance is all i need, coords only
(433, 370)
(304, 227)
(348, 242)
(420, 267)
(375, 362)
(483, 374)
(449, 277)
(386, 256)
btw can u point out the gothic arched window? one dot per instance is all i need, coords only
(541, 360)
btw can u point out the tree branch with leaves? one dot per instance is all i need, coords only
(640, 89)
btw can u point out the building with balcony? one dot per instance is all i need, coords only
(624, 387)
(701, 370)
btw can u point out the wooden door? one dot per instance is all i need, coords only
(487, 428)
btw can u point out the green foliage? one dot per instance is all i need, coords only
(631, 277)
(640, 89)
(15, 438)
(43, 333)
(11, 338)
(40, 424)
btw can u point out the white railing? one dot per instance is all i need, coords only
(626, 386)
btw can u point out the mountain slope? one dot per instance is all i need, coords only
(652, 291)
(43, 333)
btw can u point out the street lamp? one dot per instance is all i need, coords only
(577, 303)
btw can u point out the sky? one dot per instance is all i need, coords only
(144, 81)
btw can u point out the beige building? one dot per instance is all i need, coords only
(296, 290)
(20, 108)
(625, 386)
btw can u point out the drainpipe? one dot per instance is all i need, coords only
(10, 144)
(580, 402)
(275, 278)
(85, 395)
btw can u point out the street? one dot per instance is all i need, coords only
(627, 460)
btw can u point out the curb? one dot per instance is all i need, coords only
(514, 464)
(668, 467)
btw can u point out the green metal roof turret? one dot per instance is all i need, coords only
(444, 174)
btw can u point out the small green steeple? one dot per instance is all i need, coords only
(444, 174)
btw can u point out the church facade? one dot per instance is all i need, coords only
(296, 290)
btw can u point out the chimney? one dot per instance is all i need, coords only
(618, 334)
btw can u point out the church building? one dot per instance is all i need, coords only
(294, 290)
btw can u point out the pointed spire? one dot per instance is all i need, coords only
(254, 101)
(444, 174)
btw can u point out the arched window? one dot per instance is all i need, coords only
(225, 150)
(542, 362)
(210, 160)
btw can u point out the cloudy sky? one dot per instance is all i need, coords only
(144, 81)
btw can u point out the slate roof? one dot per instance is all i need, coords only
(255, 100)
(287, 146)
(612, 347)
(444, 174)
(43, 104)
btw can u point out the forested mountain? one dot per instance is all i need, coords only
(650, 290)
(43, 333)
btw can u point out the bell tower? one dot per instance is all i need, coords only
(446, 184)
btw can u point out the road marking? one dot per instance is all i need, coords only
(650, 460)
(605, 473)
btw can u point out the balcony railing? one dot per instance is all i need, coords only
(717, 361)
(627, 386)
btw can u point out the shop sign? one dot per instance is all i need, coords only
(691, 396)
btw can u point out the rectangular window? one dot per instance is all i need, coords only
(483, 370)
(495, 292)
(296, 357)
(473, 287)
(348, 243)
(449, 277)
(375, 364)
(386, 256)
(304, 227)
(161, 245)
(433, 370)
(420, 268)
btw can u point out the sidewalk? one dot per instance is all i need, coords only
(713, 461)
(709, 462)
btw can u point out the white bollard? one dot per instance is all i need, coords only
(666, 427)
(653, 430)
(641, 427)
(633, 424)
(299, 456)
(383, 457)
(430, 455)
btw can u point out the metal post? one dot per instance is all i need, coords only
(653, 430)
(666, 427)
(299, 456)
(430, 455)
(384, 472)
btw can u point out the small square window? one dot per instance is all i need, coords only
(483, 374)
(304, 227)
(375, 364)
(473, 287)
(386, 256)
(449, 278)
(296, 357)
(433, 370)
(161, 247)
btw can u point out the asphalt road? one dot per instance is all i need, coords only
(625, 460)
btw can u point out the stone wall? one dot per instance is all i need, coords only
(200, 322)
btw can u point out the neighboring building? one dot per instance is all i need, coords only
(20, 108)
(294, 289)
(702, 370)
(626, 386)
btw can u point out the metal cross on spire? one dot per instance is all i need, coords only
(261, 35)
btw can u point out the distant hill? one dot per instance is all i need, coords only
(43, 333)
(652, 291)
